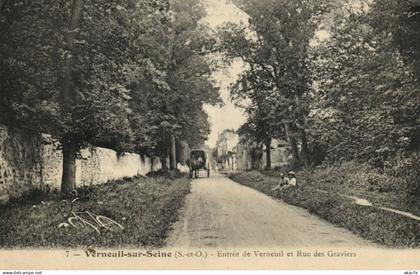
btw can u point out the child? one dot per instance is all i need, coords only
(292, 179)
(282, 182)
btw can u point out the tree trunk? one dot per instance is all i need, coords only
(256, 155)
(293, 145)
(163, 151)
(256, 163)
(164, 164)
(173, 161)
(70, 38)
(68, 181)
(268, 154)
(305, 150)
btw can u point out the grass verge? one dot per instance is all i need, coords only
(145, 207)
(362, 181)
(371, 223)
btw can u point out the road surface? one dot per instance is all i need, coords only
(220, 213)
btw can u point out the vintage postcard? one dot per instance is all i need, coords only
(210, 134)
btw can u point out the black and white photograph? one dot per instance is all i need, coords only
(210, 134)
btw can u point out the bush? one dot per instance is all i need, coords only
(32, 196)
(86, 192)
(396, 186)
(351, 175)
(408, 169)
(176, 174)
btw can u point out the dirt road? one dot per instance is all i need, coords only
(222, 213)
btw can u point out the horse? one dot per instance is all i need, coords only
(196, 162)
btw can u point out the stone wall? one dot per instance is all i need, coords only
(98, 165)
(33, 161)
(20, 155)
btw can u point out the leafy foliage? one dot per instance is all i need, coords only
(274, 46)
(174, 104)
(123, 74)
(33, 62)
(366, 105)
(353, 93)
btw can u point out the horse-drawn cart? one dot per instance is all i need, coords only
(198, 161)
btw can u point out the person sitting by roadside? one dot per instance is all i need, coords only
(283, 181)
(292, 179)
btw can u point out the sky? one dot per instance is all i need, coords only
(227, 117)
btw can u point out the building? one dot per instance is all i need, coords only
(226, 142)
(226, 149)
(233, 154)
(280, 154)
(243, 156)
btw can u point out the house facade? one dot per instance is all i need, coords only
(226, 150)
(235, 155)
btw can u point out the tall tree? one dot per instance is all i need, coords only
(174, 107)
(68, 181)
(276, 43)
(68, 67)
(368, 94)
